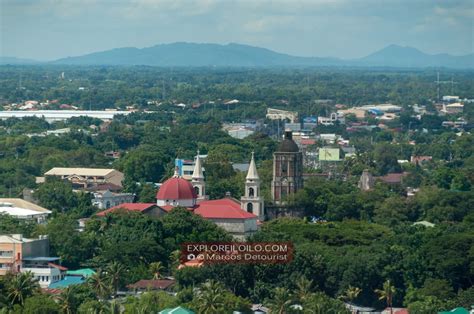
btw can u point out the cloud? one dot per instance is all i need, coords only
(344, 28)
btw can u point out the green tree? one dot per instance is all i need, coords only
(386, 293)
(40, 304)
(114, 272)
(20, 287)
(209, 298)
(156, 268)
(280, 301)
(100, 284)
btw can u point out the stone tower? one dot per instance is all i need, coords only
(252, 201)
(366, 181)
(287, 169)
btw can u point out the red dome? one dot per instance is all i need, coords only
(176, 189)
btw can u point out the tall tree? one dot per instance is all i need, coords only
(386, 293)
(20, 287)
(100, 284)
(114, 271)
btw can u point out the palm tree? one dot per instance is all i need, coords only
(100, 284)
(114, 273)
(209, 298)
(386, 293)
(156, 268)
(21, 286)
(67, 300)
(114, 307)
(304, 287)
(351, 294)
(280, 301)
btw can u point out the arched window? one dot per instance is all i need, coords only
(107, 204)
(196, 189)
(250, 208)
(251, 192)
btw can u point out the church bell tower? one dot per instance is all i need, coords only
(252, 201)
(197, 180)
(287, 169)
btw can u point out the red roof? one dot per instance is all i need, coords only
(140, 207)
(225, 208)
(307, 141)
(393, 178)
(57, 266)
(176, 189)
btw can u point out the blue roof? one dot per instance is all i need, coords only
(41, 258)
(66, 282)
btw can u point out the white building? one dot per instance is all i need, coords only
(60, 115)
(21, 209)
(107, 199)
(277, 114)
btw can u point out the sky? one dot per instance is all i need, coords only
(52, 29)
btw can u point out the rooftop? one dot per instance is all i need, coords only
(21, 203)
(66, 282)
(57, 171)
(225, 208)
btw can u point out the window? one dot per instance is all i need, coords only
(251, 192)
(6, 253)
(250, 208)
(107, 205)
(196, 189)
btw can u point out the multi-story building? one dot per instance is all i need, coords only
(19, 254)
(84, 178)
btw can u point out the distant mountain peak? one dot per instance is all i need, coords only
(188, 54)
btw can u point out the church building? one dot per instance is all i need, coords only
(238, 218)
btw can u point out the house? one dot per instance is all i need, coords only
(83, 178)
(359, 309)
(21, 209)
(66, 282)
(176, 310)
(105, 199)
(418, 160)
(83, 272)
(259, 308)
(150, 209)
(392, 178)
(277, 114)
(19, 254)
(153, 284)
(329, 154)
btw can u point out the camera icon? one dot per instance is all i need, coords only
(191, 257)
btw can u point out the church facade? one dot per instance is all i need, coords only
(239, 218)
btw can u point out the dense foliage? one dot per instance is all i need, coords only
(364, 247)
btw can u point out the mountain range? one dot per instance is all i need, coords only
(238, 55)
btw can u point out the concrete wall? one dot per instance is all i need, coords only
(37, 248)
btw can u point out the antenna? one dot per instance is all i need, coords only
(438, 82)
